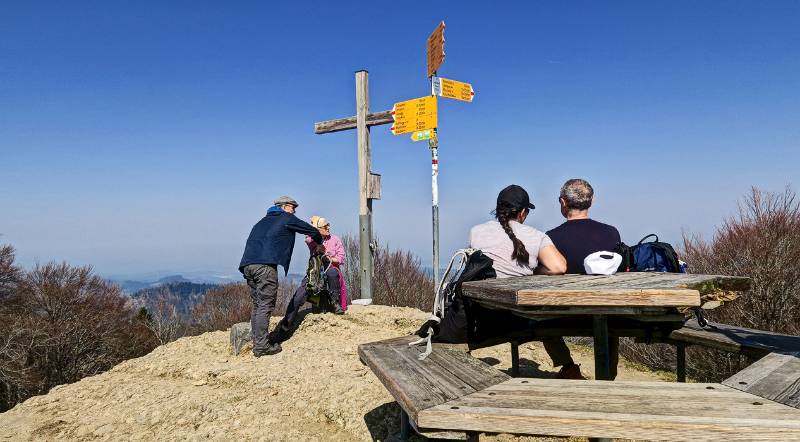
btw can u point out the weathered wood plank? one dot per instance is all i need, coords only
(754, 343)
(610, 297)
(450, 385)
(466, 368)
(340, 124)
(446, 374)
(511, 290)
(634, 410)
(775, 377)
(411, 391)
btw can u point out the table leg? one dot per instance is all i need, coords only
(405, 426)
(602, 361)
(680, 351)
(514, 359)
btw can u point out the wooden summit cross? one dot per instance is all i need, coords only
(369, 184)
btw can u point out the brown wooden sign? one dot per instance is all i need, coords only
(436, 49)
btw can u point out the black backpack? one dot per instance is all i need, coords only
(464, 321)
(653, 256)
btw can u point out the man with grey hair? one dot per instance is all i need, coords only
(270, 244)
(578, 238)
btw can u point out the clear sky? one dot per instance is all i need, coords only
(142, 136)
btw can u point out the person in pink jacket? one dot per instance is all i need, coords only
(334, 250)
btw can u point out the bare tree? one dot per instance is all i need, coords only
(398, 278)
(9, 273)
(762, 241)
(164, 322)
(222, 307)
(59, 324)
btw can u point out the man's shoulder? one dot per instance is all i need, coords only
(608, 227)
(558, 229)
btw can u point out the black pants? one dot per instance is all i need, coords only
(284, 328)
(263, 282)
(559, 352)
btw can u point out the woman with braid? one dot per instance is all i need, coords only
(520, 250)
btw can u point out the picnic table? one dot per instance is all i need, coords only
(451, 394)
(643, 305)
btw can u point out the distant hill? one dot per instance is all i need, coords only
(133, 285)
(176, 290)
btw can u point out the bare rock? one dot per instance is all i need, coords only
(240, 335)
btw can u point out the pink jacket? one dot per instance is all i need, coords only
(334, 249)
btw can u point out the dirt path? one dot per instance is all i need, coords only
(193, 389)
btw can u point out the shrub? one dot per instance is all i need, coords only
(61, 323)
(398, 279)
(222, 307)
(762, 242)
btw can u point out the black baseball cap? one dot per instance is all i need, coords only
(516, 197)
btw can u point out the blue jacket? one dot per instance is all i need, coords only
(272, 239)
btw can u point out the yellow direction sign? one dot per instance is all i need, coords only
(436, 49)
(414, 115)
(423, 135)
(447, 88)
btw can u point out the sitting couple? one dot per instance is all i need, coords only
(520, 250)
(270, 244)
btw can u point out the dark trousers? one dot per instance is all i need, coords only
(559, 352)
(263, 282)
(284, 328)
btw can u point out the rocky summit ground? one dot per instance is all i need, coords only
(194, 389)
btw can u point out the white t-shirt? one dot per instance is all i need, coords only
(494, 242)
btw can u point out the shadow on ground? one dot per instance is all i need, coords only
(527, 368)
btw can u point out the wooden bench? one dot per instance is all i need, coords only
(446, 374)
(453, 395)
(749, 342)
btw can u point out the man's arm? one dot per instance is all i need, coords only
(551, 261)
(297, 225)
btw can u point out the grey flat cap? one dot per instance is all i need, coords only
(285, 200)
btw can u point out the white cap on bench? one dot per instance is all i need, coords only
(602, 263)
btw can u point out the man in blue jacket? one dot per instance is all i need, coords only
(270, 244)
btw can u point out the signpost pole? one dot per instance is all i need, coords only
(365, 203)
(434, 145)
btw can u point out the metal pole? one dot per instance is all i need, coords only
(434, 145)
(365, 204)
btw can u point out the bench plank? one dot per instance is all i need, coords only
(754, 343)
(446, 374)
(775, 377)
(622, 409)
(410, 388)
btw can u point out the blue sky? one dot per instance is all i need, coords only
(151, 135)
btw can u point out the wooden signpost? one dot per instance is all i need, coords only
(418, 117)
(436, 49)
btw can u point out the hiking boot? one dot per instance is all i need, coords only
(272, 348)
(570, 371)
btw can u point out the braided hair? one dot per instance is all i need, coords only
(505, 213)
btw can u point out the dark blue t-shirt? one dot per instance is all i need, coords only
(578, 238)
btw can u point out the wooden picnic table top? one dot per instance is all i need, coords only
(631, 290)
